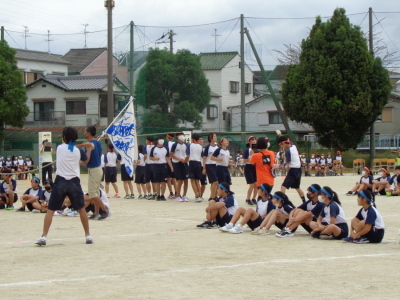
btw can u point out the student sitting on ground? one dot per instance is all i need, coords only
(8, 190)
(380, 184)
(32, 195)
(43, 202)
(392, 188)
(367, 226)
(253, 218)
(365, 183)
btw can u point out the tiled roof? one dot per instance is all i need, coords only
(81, 58)
(23, 54)
(75, 83)
(139, 58)
(217, 60)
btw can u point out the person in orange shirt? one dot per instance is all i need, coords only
(264, 161)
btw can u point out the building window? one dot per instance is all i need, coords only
(103, 105)
(387, 115)
(234, 86)
(274, 118)
(43, 111)
(247, 88)
(212, 112)
(76, 108)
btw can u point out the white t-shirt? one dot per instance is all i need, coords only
(111, 158)
(224, 154)
(148, 150)
(160, 152)
(194, 151)
(179, 151)
(208, 151)
(292, 157)
(68, 162)
(141, 159)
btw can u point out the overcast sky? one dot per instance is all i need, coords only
(154, 18)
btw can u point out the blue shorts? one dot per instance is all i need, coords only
(195, 170)
(256, 223)
(140, 174)
(110, 174)
(225, 219)
(250, 173)
(149, 173)
(181, 171)
(211, 170)
(63, 188)
(223, 175)
(160, 173)
(292, 179)
(375, 235)
(344, 230)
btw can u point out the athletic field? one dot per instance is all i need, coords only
(153, 250)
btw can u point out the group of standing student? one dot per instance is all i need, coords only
(17, 163)
(322, 165)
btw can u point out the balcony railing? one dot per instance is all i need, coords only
(54, 118)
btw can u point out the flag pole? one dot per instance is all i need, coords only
(122, 110)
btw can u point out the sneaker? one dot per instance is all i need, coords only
(326, 236)
(21, 209)
(355, 193)
(36, 211)
(375, 193)
(10, 207)
(214, 225)
(158, 198)
(73, 213)
(316, 235)
(286, 232)
(58, 213)
(226, 228)
(89, 239)
(41, 241)
(66, 211)
(163, 198)
(205, 224)
(94, 217)
(140, 196)
(104, 214)
(149, 197)
(185, 199)
(361, 240)
(127, 197)
(347, 239)
(349, 193)
(237, 229)
(197, 199)
(154, 197)
(254, 201)
(132, 196)
(263, 231)
(108, 195)
(171, 196)
(179, 199)
(248, 201)
(117, 195)
(256, 231)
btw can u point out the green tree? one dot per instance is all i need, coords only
(338, 87)
(173, 88)
(13, 108)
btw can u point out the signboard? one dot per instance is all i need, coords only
(44, 146)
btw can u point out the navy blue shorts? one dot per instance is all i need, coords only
(223, 175)
(195, 170)
(63, 188)
(306, 227)
(375, 235)
(149, 173)
(140, 175)
(256, 223)
(211, 170)
(15, 198)
(203, 180)
(124, 174)
(280, 225)
(110, 174)
(344, 230)
(250, 173)
(170, 173)
(225, 219)
(292, 179)
(160, 173)
(181, 171)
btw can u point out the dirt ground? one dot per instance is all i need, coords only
(153, 250)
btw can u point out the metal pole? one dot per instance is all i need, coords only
(242, 82)
(271, 90)
(131, 70)
(2, 33)
(372, 130)
(110, 94)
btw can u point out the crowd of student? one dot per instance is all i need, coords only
(17, 163)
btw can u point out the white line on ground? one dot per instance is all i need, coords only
(57, 280)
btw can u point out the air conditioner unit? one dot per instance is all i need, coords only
(89, 121)
(59, 121)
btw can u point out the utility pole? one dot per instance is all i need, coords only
(215, 35)
(171, 40)
(131, 70)
(85, 33)
(372, 129)
(2, 33)
(48, 41)
(242, 82)
(110, 93)
(26, 30)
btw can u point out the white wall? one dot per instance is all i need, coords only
(36, 66)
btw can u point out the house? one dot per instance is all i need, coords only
(222, 69)
(72, 100)
(93, 61)
(33, 64)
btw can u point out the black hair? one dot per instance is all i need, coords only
(267, 187)
(227, 188)
(110, 146)
(179, 133)
(140, 148)
(334, 196)
(397, 168)
(69, 134)
(172, 135)
(285, 198)
(262, 142)
(49, 182)
(210, 136)
(150, 138)
(195, 136)
(160, 137)
(316, 186)
(369, 195)
(45, 141)
(91, 130)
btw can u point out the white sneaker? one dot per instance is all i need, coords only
(226, 228)
(179, 199)
(185, 199)
(256, 231)
(73, 213)
(198, 199)
(66, 211)
(58, 213)
(263, 231)
(41, 241)
(36, 210)
(286, 232)
(237, 229)
(89, 239)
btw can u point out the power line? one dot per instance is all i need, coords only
(234, 26)
(380, 23)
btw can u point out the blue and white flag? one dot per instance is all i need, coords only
(123, 136)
